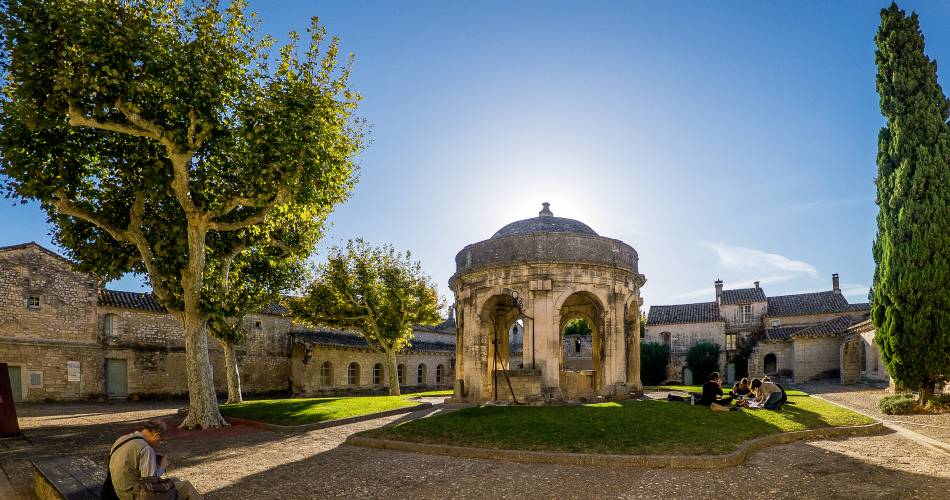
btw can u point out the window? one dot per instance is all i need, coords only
(421, 374)
(258, 326)
(36, 379)
(401, 374)
(770, 364)
(110, 325)
(33, 302)
(667, 340)
(326, 373)
(577, 345)
(776, 322)
(353, 374)
(731, 341)
(377, 373)
(744, 314)
(439, 374)
(875, 358)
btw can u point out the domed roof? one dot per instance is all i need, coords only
(545, 222)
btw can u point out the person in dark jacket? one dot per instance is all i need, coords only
(712, 393)
(741, 389)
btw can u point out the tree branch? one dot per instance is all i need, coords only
(78, 119)
(68, 207)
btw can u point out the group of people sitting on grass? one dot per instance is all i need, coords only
(759, 393)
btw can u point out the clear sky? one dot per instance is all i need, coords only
(721, 140)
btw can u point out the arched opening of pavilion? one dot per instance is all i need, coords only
(581, 352)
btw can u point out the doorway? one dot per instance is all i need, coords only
(117, 378)
(16, 383)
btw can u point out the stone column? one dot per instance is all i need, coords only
(633, 347)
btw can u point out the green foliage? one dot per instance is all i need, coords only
(740, 357)
(631, 427)
(578, 326)
(654, 358)
(150, 131)
(898, 404)
(375, 291)
(703, 359)
(910, 304)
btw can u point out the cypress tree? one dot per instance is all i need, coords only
(911, 292)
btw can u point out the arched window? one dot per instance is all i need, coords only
(439, 374)
(875, 357)
(421, 374)
(863, 357)
(353, 374)
(377, 373)
(326, 374)
(770, 364)
(401, 373)
(110, 325)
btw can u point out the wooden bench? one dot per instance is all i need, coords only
(67, 478)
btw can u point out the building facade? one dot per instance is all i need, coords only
(798, 337)
(66, 338)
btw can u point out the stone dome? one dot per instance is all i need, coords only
(545, 222)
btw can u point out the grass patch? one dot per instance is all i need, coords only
(629, 427)
(725, 389)
(446, 392)
(313, 410)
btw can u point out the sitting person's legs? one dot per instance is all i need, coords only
(773, 402)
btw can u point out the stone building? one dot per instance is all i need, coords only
(798, 336)
(66, 338)
(546, 271)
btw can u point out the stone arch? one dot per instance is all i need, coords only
(770, 364)
(353, 374)
(498, 312)
(422, 374)
(582, 304)
(326, 374)
(401, 373)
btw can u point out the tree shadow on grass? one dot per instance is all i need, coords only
(282, 411)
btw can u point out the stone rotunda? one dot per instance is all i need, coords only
(544, 272)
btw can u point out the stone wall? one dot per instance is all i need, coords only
(817, 358)
(729, 313)
(682, 338)
(784, 358)
(307, 375)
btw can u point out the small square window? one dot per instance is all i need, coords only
(36, 379)
(33, 302)
(258, 326)
(731, 342)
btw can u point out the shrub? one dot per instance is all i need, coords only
(653, 360)
(898, 404)
(703, 359)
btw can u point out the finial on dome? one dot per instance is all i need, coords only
(545, 212)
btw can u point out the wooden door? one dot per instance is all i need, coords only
(16, 383)
(117, 378)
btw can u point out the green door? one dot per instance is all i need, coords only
(117, 378)
(15, 383)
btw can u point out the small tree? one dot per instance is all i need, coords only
(578, 326)
(910, 306)
(740, 357)
(703, 359)
(654, 359)
(375, 291)
(156, 135)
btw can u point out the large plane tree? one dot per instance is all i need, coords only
(159, 134)
(910, 302)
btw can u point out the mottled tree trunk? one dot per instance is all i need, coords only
(926, 393)
(393, 372)
(203, 402)
(233, 374)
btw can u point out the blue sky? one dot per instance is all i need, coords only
(721, 140)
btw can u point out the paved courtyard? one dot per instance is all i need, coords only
(241, 462)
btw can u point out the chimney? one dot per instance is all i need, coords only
(757, 284)
(718, 290)
(834, 283)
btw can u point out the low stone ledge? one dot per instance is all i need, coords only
(732, 459)
(322, 425)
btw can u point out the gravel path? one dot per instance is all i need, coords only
(864, 399)
(248, 463)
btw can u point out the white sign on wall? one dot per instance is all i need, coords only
(72, 371)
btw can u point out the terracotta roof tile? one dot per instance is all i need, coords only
(703, 312)
(743, 296)
(807, 303)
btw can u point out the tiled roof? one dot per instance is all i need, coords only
(447, 326)
(130, 300)
(861, 306)
(338, 338)
(807, 303)
(275, 309)
(836, 326)
(743, 296)
(703, 312)
(783, 332)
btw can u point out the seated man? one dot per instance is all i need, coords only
(712, 393)
(133, 458)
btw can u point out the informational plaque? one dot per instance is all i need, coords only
(72, 371)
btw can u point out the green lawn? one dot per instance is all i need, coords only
(630, 427)
(446, 392)
(312, 410)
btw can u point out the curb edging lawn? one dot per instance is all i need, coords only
(649, 461)
(328, 423)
